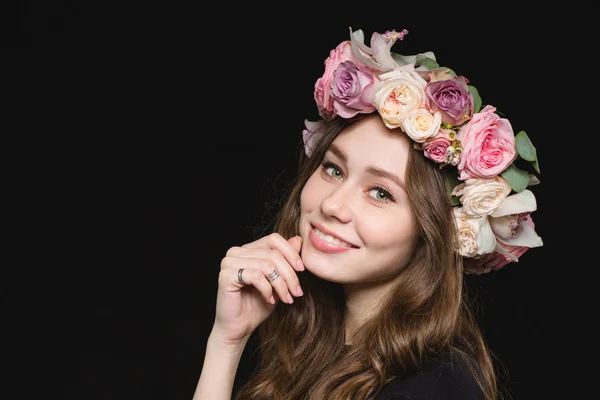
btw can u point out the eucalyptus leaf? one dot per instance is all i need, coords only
(416, 59)
(450, 71)
(536, 165)
(455, 201)
(533, 180)
(429, 63)
(516, 178)
(451, 181)
(476, 98)
(525, 147)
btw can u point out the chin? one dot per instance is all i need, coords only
(323, 268)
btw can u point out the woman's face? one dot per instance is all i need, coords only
(356, 221)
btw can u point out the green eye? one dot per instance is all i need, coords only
(333, 170)
(335, 173)
(380, 194)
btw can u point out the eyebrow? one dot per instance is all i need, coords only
(370, 169)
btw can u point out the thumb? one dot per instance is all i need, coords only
(296, 242)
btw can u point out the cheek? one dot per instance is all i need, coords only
(383, 232)
(309, 196)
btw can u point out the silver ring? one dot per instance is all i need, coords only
(273, 275)
(240, 279)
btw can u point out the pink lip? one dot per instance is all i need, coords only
(325, 246)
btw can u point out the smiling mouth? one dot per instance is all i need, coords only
(332, 240)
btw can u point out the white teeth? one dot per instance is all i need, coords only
(331, 239)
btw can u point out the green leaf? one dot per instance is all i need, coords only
(455, 201)
(536, 165)
(516, 178)
(429, 63)
(525, 147)
(476, 98)
(451, 181)
(450, 71)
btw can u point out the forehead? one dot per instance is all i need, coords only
(369, 142)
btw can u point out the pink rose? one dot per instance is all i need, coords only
(452, 98)
(436, 148)
(341, 53)
(488, 145)
(352, 90)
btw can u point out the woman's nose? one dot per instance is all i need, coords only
(339, 203)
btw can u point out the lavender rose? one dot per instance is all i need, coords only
(352, 89)
(452, 98)
(341, 53)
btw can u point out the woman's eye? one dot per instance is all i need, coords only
(333, 170)
(380, 194)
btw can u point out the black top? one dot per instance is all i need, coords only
(435, 380)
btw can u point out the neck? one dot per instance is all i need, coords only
(363, 300)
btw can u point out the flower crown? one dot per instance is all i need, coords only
(442, 115)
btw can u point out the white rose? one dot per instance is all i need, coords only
(482, 196)
(421, 125)
(475, 236)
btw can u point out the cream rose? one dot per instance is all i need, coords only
(482, 196)
(421, 125)
(475, 236)
(401, 92)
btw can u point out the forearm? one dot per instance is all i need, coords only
(221, 361)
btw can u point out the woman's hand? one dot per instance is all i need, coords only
(242, 307)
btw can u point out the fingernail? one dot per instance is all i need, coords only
(300, 264)
(299, 291)
(272, 300)
(290, 299)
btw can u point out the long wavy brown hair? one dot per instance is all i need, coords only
(427, 313)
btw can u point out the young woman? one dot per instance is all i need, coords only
(358, 294)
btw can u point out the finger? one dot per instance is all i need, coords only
(265, 266)
(278, 261)
(296, 243)
(276, 241)
(251, 277)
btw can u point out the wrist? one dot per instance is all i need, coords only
(225, 343)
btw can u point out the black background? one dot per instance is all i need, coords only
(149, 138)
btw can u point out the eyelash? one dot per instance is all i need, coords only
(328, 164)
